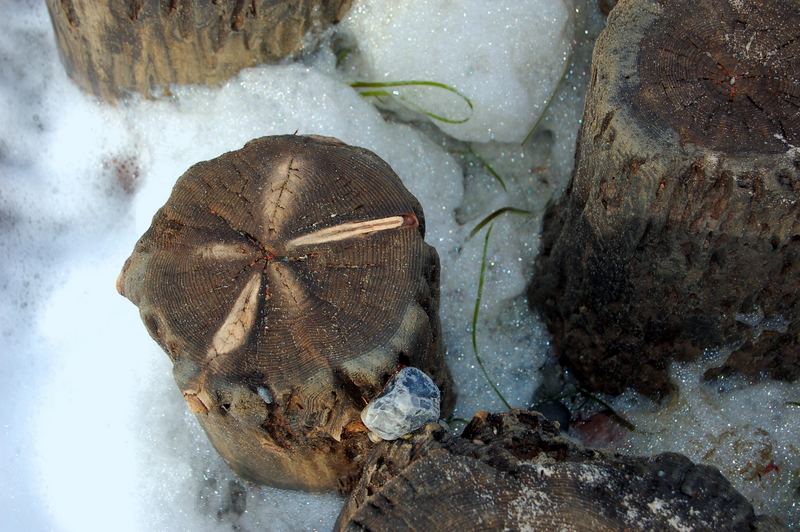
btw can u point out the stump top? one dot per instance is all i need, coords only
(725, 75)
(281, 259)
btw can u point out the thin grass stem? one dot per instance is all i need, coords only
(475, 314)
(495, 214)
(379, 91)
(488, 168)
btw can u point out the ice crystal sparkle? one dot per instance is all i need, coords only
(409, 400)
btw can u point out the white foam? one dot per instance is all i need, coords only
(747, 430)
(506, 56)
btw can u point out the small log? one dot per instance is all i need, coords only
(113, 47)
(683, 214)
(288, 281)
(513, 471)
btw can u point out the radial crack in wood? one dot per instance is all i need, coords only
(347, 230)
(236, 327)
(217, 251)
(316, 314)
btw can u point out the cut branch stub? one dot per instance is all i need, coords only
(684, 210)
(288, 281)
(514, 471)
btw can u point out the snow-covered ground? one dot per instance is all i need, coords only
(94, 430)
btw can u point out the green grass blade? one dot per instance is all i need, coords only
(342, 55)
(488, 168)
(479, 295)
(408, 103)
(495, 214)
(429, 114)
(567, 64)
(409, 83)
(380, 94)
(475, 314)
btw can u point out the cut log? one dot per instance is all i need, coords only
(514, 471)
(288, 282)
(113, 47)
(683, 215)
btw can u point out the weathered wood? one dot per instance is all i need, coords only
(683, 214)
(288, 281)
(514, 471)
(113, 47)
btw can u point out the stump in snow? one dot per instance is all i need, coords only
(288, 281)
(514, 471)
(112, 47)
(683, 216)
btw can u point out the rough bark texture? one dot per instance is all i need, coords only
(113, 47)
(683, 215)
(288, 281)
(513, 471)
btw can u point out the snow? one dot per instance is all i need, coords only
(94, 429)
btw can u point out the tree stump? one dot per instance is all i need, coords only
(112, 47)
(683, 215)
(288, 282)
(513, 471)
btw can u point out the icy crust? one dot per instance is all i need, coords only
(409, 400)
(511, 340)
(506, 56)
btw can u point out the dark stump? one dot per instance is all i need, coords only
(682, 220)
(514, 471)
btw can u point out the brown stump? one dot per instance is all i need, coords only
(683, 214)
(514, 471)
(288, 281)
(112, 47)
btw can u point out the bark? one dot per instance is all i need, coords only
(514, 471)
(114, 47)
(682, 219)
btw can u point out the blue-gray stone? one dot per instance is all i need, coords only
(408, 401)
